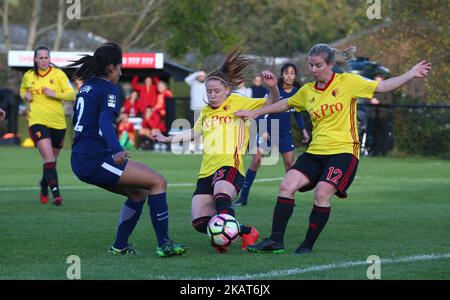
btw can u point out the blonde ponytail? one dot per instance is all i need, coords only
(333, 55)
(342, 57)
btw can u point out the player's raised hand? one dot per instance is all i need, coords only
(246, 114)
(121, 157)
(421, 69)
(269, 79)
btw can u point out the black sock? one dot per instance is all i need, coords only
(281, 214)
(317, 221)
(201, 224)
(43, 183)
(223, 204)
(52, 178)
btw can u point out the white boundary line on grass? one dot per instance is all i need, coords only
(317, 268)
(181, 184)
(90, 187)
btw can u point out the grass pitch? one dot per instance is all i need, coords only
(398, 209)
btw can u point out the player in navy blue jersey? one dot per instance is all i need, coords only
(288, 86)
(98, 159)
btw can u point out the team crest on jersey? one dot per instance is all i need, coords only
(111, 100)
(226, 107)
(85, 89)
(335, 92)
(51, 81)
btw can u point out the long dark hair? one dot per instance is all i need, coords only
(38, 48)
(286, 66)
(109, 53)
(232, 72)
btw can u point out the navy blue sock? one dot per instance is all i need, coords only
(159, 213)
(248, 181)
(131, 211)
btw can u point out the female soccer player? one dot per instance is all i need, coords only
(329, 164)
(98, 158)
(288, 86)
(225, 139)
(44, 87)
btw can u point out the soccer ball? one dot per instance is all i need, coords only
(223, 230)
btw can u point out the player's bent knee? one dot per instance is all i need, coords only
(158, 183)
(137, 194)
(287, 188)
(323, 194)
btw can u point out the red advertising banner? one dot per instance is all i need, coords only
(142, 61)
(62, 59)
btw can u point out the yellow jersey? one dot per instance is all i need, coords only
(333, 112)
(225, 136)
(43, 109)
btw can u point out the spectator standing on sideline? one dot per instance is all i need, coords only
(198, 93)
(258, 90)
(198, 101)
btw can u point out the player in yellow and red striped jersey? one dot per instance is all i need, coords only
(44, 87)
(225, 140)
(330, 162)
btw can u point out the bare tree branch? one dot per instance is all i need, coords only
(59, 25)
(141, 34)
(35, 16)
(150, 4)
(5, 18)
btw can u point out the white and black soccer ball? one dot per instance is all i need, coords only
(223, 230)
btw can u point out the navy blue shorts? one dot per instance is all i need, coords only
(285, 144)
(98, 170)
(205, 185)
(336, 169)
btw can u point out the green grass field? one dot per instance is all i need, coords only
(398, 209)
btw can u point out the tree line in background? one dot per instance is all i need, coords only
(196, 33)
(189, 31)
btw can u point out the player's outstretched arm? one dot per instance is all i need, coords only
(277, 107)
(185, 136)
(418, 71)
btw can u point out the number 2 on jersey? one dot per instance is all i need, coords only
(79, 109)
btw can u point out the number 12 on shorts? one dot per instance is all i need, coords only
(334, 175)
